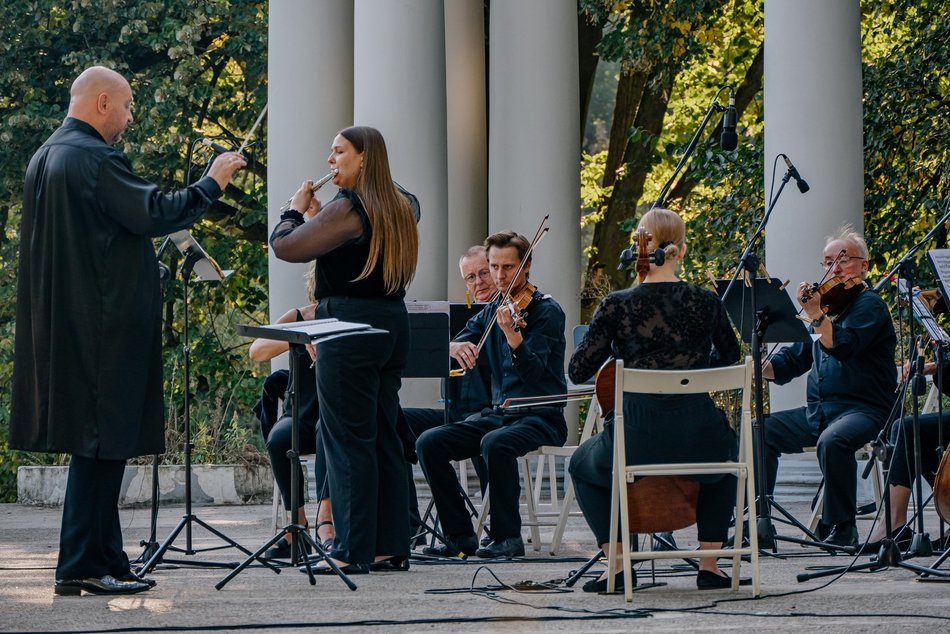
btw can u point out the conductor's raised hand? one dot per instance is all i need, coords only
(224, 166)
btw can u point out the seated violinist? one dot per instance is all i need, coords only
(524, 359)
(851, 383)
(901, 473)
(663, 323)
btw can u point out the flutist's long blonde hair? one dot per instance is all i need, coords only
(395, 239)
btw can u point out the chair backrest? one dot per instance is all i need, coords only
(677, 493)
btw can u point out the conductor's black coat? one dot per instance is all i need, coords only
(87, 375)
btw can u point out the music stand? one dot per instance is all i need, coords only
(196, 261)
(299, 333)
(431, 325)
(773, 320)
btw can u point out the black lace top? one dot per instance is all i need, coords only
(657, 326)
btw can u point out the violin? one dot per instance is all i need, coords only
(518, 304)
(836, 294)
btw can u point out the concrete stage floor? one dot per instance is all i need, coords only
(434, 596)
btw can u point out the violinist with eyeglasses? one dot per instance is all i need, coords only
(851, 381)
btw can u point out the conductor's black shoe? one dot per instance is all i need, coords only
(707, 580)
(600, 585)
(131, 575)
(508, 548)
(453, 547)
(843, 535)
(103, 585)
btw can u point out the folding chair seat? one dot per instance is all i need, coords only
(627, 513)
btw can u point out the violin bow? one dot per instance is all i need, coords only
(506, 296)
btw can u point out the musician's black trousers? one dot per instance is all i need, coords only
(902, 435)
(843, 432)
(279, 442)
(500, 440)
(90, 540)
(421, 420)
(358, 380)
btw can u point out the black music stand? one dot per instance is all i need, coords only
(196, 261)
(298, 333)
(765, 314)
(431, 325)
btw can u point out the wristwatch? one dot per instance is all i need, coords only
(817, 322)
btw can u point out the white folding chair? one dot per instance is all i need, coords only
(737, 377)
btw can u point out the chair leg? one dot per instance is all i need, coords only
(276, 509)
(529, 500)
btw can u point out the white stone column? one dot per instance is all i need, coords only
(533, 141)
(399, 70)
(813, 113)
(467, 139)
(310, 98)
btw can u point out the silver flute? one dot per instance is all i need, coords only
(316, 186)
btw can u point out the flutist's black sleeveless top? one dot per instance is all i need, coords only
(337, 271)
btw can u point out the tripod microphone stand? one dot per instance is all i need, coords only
(195, 260)
(763, 318)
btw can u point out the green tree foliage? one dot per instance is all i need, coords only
(674, 57)
(906, 125)
(197, 68)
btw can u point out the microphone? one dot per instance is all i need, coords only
(802, 185)
(218, 148)
(729, 139)
(626, 257)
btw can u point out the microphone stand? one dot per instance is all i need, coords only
(749, 263)
(150, 545)
(627, 256)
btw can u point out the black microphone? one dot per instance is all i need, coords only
(729, 139)
(626, 257)
(802, 185)
(218, 149)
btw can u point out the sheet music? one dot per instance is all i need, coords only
(205, 268)
(939, 260)
(922, 313)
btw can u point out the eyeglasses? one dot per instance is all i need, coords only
(843, 261)
(482, 275)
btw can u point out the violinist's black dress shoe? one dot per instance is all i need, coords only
(453, 547)
(103, 585)
(398, 563)
(508, 548)
(706, 580)
(843, 535)
(600, 585)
